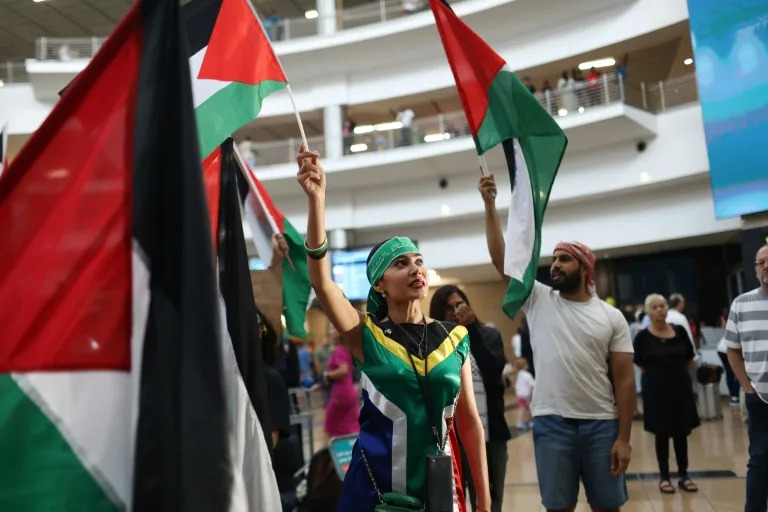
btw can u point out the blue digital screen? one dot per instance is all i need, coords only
(348, 270)
(730, 40)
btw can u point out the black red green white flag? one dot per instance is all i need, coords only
(111, 391)
(233, 67)
(501, 110)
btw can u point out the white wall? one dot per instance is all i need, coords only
(21, 110)
(677, 152)
(681, 209)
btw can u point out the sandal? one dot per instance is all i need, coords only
(687, 485)
(665, 486)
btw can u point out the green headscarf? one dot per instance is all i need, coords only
(380, 261)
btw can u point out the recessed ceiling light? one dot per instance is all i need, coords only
(562, 112)
(645, 177)
(357, 148)
(310, 15)
(597, 63)
(688, 61)
(581, 110)
(445, 209)
(38, 1)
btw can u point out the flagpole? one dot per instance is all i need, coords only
(298, 117)
(483, 166)
(244, 169)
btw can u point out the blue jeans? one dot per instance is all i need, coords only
(569, 450)
(757, 469)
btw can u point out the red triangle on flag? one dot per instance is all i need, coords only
(474, 63)
(239, 50)
(212, 184)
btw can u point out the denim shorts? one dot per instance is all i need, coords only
(569, 450)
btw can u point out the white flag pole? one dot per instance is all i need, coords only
(483, 166)
(246, 170)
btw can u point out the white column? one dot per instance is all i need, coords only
(326, 21)
(333, 120)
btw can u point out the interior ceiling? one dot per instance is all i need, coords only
(22, 22)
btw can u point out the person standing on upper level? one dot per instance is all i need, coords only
(585, 388)
(747, 338)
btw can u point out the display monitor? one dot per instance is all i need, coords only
(730, 41)
(348, 270)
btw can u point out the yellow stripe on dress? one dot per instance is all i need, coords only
(433, 359)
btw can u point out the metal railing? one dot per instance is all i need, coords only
(570, 100)
(13, 73)
(280, 29)
(280, 152)
(67, 48)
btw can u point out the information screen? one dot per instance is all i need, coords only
(348, 269)
(730, 40)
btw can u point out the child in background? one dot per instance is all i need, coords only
(524, 390)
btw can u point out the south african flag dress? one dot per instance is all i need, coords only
(395, 431)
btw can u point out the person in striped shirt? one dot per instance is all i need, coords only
(746, 335)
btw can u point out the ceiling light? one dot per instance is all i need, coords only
(598, 63)
(445, 209)
(311, 14)
(357, 148)
(38, 1)
(562, 112)
(434, 277)
(688, 61)
(366, 128)
(435, 137)
(581, 110)
(645, 177)
(394, 125)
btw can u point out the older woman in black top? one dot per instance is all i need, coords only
(665, 356)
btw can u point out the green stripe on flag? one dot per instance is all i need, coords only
(296, 286)
(515, 114)
(230, 109)
(39, 471)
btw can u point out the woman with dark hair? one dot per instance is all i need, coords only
(487, 353)
(414, 379)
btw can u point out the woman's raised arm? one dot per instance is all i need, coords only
(347, 320)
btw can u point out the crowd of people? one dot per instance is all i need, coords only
(428, 403)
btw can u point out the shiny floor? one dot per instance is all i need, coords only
(718, 449)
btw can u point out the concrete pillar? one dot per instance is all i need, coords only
(333, 120)
(326, 20)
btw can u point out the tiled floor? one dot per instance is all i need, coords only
(717, 446)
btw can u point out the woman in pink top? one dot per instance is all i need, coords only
(343, 406)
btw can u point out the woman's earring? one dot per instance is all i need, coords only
(383, 295)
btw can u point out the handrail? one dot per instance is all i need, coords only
(67, 48)
(13, 73)
(568, 100)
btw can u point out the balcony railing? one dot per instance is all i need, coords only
(13, 73)
(573, 100)
(67, 48)
(280, 29)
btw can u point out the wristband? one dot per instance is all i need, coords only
(319, 253)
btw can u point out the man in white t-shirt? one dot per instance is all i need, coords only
(585, 385)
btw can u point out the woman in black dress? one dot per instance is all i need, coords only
(665, 356)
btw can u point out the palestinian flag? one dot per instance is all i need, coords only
(111, 391)
(264, 220)
(244, 375)
(233, 67)
(500, 110)
(3, 148)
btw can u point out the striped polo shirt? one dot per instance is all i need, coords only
(747, 330)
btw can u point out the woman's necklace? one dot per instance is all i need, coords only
(423, 335)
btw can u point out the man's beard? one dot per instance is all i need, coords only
(570, 284)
